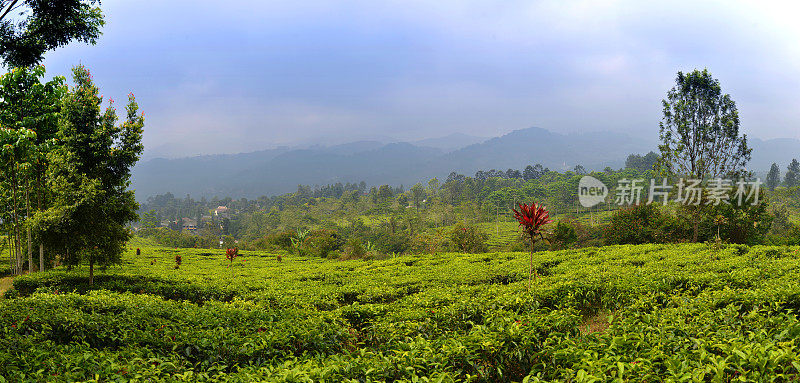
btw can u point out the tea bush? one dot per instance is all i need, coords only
(654, 312)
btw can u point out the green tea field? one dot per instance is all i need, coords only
(616, 313)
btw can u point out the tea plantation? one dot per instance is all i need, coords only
(626, 313)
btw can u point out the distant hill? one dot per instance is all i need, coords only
(279, 171)
(778, 150)
(556, 151)
(451, 142)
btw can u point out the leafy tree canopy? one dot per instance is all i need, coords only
(30, 28)
(700, 129)
(90, 176)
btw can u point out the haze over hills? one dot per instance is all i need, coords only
(451, 142)
(277, 171)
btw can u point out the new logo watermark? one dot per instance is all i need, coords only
(591, 191)
(716, 191)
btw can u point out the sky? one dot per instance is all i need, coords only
(239, 76)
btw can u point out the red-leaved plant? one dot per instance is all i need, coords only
(532, 220)
(231, 254)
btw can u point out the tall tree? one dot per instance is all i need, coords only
(90, 174)
(16, 146)
(773, 177)
(792, 177)
(700, 132)
(30, 28)
(28, 105)
(417, 195)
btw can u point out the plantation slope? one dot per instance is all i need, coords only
(638, 313)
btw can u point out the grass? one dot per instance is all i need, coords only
(5, 285)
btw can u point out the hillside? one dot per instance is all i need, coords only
(278, 171)
(281, 170)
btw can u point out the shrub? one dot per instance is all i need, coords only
(563, 237)
(783, 231)
(354, 249)
(468, 239)
(430, 243)
(745, 224)
(282, 240)
(320, 243)
(228, 242)
(395, 243)
(640, 224)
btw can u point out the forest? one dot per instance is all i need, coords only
(393, 220)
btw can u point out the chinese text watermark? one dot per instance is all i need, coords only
(686, 191)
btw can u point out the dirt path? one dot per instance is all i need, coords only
(5, 285)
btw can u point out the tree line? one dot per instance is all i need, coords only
(790, 179)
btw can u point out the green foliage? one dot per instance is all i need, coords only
(282, 240)
(746, 224)
(400, 229)
(149, 220)
(321, 243)
(640, 224)
(792, 177)
(396, 243)
(228, 242)
(642, 163)
(89, 177)
(180, 239)
(298, 241)
(773, 177)
(431, 242)
(563, 236)
(636, 313)
(47, 25)
(354, 249)
(468, 238)
(700, 129)
(28, 124)
(782, 231)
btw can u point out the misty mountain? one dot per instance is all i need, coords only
(278, 171)
(388, 164)
(556, 151)
(779, 150)
(451, 142)
(200, 175)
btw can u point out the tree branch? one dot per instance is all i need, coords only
(9, 9)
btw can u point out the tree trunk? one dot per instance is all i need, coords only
(530, 268)
(91, 271)
(39, 208)
(17, 254)
(9, 240)
(28, 228)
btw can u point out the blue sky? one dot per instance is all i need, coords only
(249, 75)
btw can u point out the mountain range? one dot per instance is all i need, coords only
(280, 170)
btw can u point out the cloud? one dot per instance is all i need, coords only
(246, 75)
